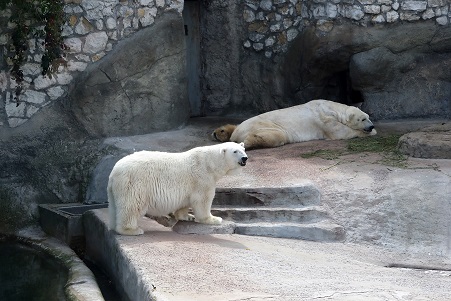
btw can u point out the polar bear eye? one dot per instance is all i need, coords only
(234, 152)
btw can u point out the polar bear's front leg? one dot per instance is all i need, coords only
(202, 210)
(184, 215)
(212, 220)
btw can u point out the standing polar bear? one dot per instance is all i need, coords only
(317, 119)
(159, 183)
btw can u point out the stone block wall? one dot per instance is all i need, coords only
(272, 24)
(92, 30)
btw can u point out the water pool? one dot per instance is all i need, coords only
(40, 268)
(30, 274)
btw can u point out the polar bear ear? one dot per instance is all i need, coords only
(350, 116)
(242, 144)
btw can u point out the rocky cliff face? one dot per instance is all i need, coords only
(140, 87)
(401, 71)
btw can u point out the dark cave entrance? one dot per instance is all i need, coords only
(338, 87)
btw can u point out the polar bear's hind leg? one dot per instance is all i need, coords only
(184, 215)
(127, 231)
(127, 224)
(267, 138)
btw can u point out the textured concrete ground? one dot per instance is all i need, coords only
(164, 265)
(393, 216)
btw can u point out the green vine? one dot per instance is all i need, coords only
(42, 19)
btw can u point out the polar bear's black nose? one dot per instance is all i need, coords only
(370, 128)
(244, 159)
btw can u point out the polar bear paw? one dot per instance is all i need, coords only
(129, 231)
(184, 215)
(212, 220)
(188, 217)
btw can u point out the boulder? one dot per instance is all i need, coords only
(433, 142)
(139, 87)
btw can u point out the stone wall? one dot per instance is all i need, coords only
(282, 53)
(254, 28)
(92, 30)
(273, 24)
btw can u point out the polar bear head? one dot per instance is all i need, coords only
(223, 133)
(358, 120)
(234, 155)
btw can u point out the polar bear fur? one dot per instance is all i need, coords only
(224, 132)
(160, 183)
(317, 119)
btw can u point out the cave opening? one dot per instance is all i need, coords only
(338, 87)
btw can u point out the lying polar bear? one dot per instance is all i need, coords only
(160, 183)
(317, 119)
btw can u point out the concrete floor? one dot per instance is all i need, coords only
(393, 217)
(164, 265)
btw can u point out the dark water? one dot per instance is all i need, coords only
(27, 274)
(105, 284)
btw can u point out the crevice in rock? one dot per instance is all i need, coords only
(416, 267)
(106, 74)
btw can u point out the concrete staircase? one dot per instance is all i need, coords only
(287, 212)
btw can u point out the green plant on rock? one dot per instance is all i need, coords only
(42, 19)
(387, 146)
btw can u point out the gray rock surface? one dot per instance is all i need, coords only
(140, 87)
(398, 74)
(46, 160)
(429, 142)
(97, 189)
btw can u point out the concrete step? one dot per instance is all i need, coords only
(270, 214)
(321, 231)
(184, 227)
(292, 196)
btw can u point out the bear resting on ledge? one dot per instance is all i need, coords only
(317, 119)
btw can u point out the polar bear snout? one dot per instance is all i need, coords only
(369, 128)
(243, 161)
